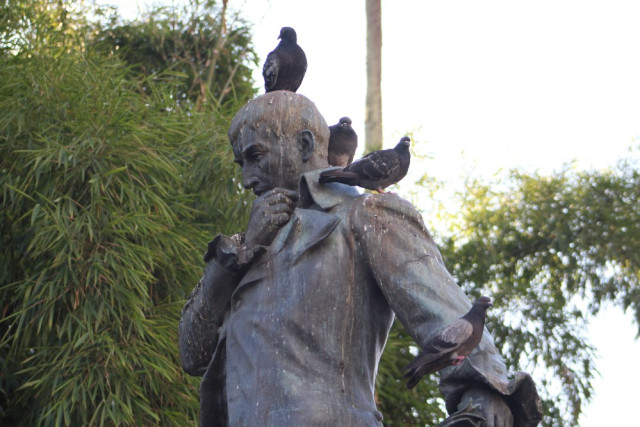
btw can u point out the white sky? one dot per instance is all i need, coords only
(483, 86)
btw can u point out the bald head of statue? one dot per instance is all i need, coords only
(276, 137)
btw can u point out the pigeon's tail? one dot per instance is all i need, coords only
(337, 175)
(421, 360)
(414, 378)
(426, 363)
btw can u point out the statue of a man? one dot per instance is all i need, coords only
(290, 318)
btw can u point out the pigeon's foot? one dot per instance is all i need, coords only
(380, 190)
(458, 360)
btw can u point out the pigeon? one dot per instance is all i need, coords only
(285, 66)
(343, 142)
(451, 345)
(375, 171)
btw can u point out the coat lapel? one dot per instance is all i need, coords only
(306, 229)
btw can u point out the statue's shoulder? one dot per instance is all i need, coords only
(338, 197)
(385, 208)
(389, 202)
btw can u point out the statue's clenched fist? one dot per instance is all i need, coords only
(269, 213)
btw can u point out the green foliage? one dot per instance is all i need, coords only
(213, 55)
(550, 250)
(109, 191)
(422, 405)
(88, 197)
(30, 25)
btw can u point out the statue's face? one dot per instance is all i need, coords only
(267, 160)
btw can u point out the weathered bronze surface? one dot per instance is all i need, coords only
(290, 318)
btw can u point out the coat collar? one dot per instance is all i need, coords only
(324, 195)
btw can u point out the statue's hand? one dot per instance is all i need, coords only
(269, 213)
(493, 407)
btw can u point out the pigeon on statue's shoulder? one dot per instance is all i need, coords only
(343, 142)
(375, 171)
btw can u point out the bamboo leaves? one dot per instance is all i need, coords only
(107, 200)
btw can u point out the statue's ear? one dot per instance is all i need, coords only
(306, 144)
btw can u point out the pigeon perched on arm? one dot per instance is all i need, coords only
(451, 345)
(343, 142)
(285, 66)
(375, 171)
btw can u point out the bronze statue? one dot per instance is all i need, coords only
(290, 318)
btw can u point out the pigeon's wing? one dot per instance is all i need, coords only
(375, 166)
(300, 60)
(423, 359)
(270, 70)
(453, 336)
(297, 81)
(339, 175)
(426, 366)
(333, 131)
(436, 352)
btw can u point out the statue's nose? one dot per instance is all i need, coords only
(250, 182)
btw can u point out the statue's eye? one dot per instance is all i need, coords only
(253, 155)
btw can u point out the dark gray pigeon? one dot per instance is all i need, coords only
(375, 171)
(343, 142)
(451, 345)
(285, 66)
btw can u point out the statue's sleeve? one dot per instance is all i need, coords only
(409, 270)
(208, 304)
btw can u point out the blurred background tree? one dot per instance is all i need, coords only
(423, 405)
(210, 51)
(114, 175)
(550, 250)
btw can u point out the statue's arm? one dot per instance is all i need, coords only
(208, 305)
(409, 270)
(227, 259)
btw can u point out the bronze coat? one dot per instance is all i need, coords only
(295, 338)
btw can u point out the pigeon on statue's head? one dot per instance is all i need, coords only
(343, 142)
(286, 65)
(375, 171)
(451, 345)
